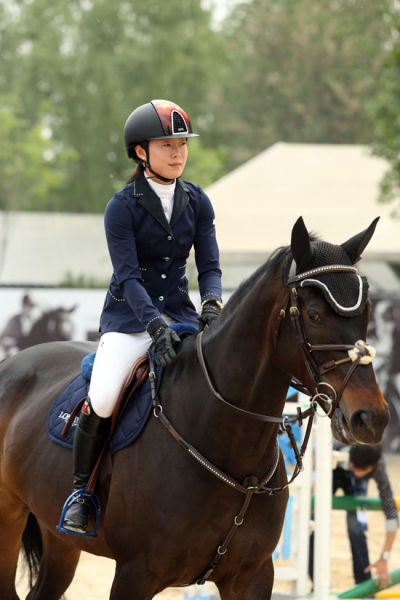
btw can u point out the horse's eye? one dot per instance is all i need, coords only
(313, 316)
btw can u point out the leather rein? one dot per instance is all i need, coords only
(358, 353)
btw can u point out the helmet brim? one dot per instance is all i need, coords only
(171, 137)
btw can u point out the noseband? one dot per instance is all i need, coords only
(358, 353)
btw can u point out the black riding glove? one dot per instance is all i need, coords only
(164, 338)
(210, 311)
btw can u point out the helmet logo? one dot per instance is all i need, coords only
(178, 123)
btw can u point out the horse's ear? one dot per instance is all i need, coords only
(355, 246)
(300, 245)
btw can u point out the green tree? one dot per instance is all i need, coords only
(92, 62)
(385, 111)
(32, 166)
(301, 71)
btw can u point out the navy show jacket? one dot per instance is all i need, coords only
(149, 255)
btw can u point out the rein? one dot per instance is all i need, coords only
(258, 486)
(246, 413)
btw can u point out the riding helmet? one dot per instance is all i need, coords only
(153, 121)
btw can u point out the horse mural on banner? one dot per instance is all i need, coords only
(52, 325)
(167, 520)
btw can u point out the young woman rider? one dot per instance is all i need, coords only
(151, 224)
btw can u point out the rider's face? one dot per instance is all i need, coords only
(167, 157)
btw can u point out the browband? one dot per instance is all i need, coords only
(292, 278)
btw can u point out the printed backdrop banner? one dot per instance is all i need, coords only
(384, 335)
(35, 315)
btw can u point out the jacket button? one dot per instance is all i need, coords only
(169, 238)
(161, 298)
(163, 276)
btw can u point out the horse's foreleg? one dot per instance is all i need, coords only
(248, 584)
(132, 580)
(57, 569)
(12, 523)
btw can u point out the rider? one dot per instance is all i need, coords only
(151, 225)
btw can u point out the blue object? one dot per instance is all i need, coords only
(87, 365)
(93, 498)
(286, 533)
(286, 447)
(134, 418)
(200, 596)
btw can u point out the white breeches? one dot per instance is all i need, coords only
(116, 354)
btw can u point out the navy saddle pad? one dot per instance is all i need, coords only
(136, 412)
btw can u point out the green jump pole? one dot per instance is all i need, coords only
(370, 587)
(354, 502)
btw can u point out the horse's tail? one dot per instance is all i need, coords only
(33, 547)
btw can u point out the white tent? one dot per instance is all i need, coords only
(333, 187)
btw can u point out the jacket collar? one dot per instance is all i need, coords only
(147, 198)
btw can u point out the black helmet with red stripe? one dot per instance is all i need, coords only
(153, 121)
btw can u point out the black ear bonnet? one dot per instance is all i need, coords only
(345, 291)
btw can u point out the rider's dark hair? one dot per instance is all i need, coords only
(363, 457)
(135, 173)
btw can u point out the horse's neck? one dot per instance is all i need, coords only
(241, 352)
(239, 357)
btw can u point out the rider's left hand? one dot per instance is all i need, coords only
(209, 313)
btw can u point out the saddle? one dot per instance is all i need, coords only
(135, 379)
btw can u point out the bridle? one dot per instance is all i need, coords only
(358, 353)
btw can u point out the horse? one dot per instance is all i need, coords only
(168, 519)
(52, 325)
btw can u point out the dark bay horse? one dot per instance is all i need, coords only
(164, 515)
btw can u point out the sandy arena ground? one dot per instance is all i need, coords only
(94, 575)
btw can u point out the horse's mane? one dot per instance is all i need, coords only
(267, 269)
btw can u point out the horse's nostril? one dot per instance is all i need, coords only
(362, 419)
(367, 426)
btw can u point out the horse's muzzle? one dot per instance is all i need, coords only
(365, 426)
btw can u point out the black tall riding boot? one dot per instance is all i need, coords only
(90, 435)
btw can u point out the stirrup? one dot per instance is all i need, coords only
(93, 498)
